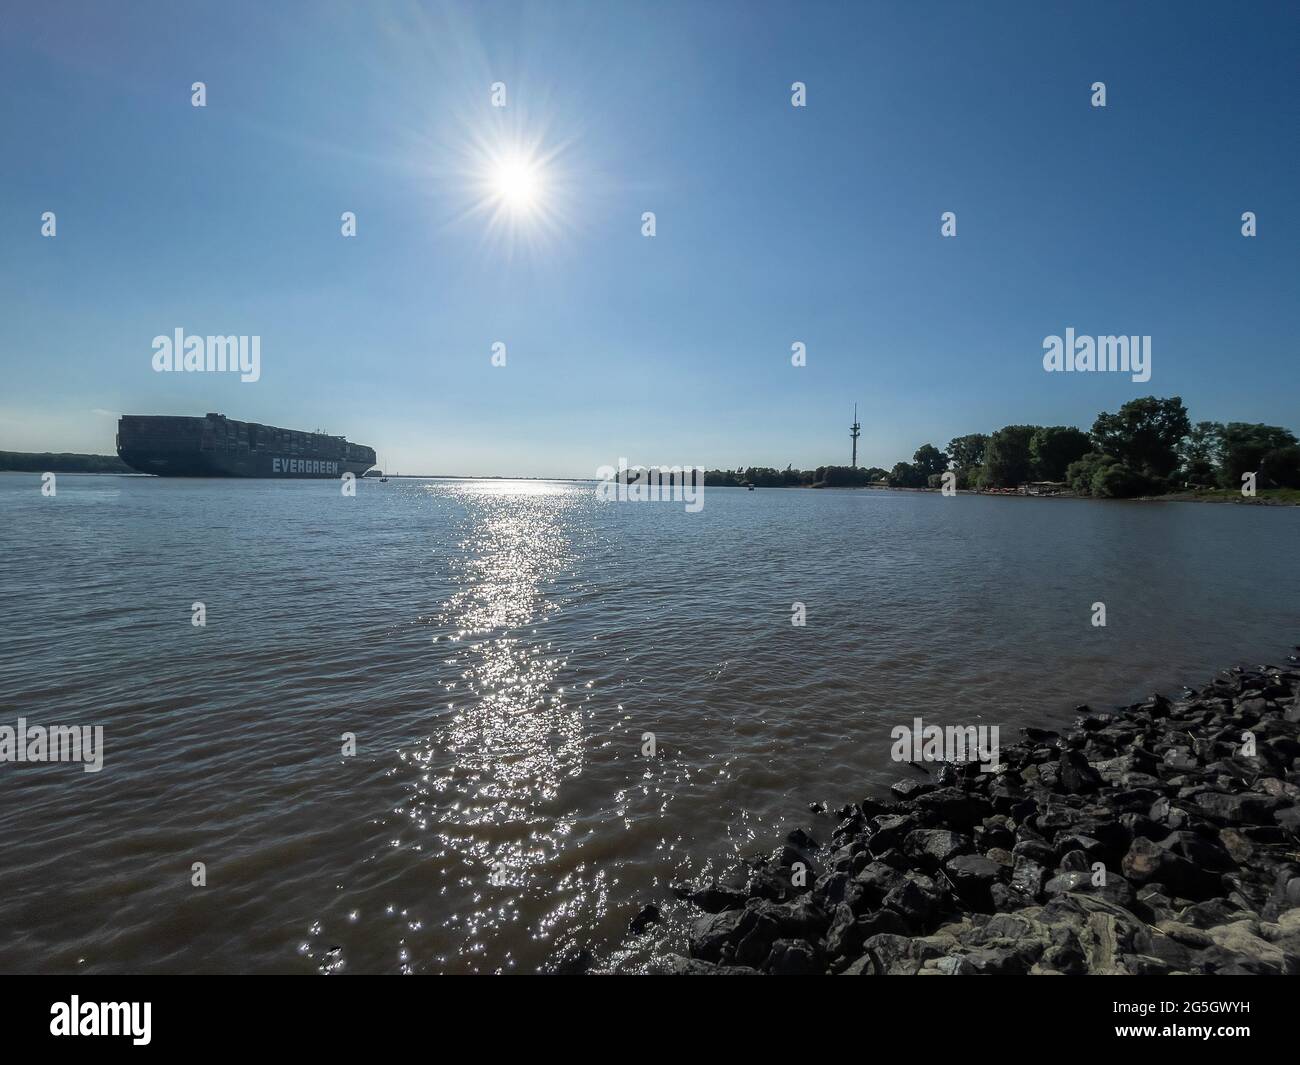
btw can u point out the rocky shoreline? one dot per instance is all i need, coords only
(1151, 840)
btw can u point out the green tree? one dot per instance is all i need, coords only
(1007, 459)
(1244, 446)
(1281, 467)
(968, 450)
(905, 475)
(1105, 476)
(930, 460)
(1079, 474)
(64, 462)
(1199, 453)
(1144, 435)
(845, 476)
(1115, 480)
(1054, 447)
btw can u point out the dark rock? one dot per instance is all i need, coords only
(1064, 882)
(1039, 851)
(872, 808)
(716, 897)
(1208, 914)
(1068, 959)
(910, 789)
(1028, 877)
(1024, 865)
(916, 900)
(894, 955)
(1223, 962)
(954, 807)
(869, 887)
(973, 877)
(1005, 899)
(1111, 887)
(880, 922)
(1006, 795)
(1141, 825)
(932, 847)
(771, 882)
(1056, 816)
(1001, 961)
(1024, 810)
(801, 918)
(759, 930)
(675, 964)
(830, 887)
(1076, 774)
(1203, 851)
(845, 937)
(895, 859)
(792, 957)
(994, 833)
(889, 830)
(799, 849)
(1147, 861)
(1244, 807)
(711, 933)
(864, 966)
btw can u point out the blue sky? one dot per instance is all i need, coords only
(774, 224)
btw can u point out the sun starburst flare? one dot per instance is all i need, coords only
(520, 190)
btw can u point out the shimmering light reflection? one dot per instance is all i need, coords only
(479, 792)
(526, 815)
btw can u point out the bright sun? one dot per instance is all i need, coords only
(517, 184)
(521, 189)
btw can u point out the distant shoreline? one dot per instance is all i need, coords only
(127, 471)
(1273, 497)
(60, 462)
(1269, 497)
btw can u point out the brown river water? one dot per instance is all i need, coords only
(499, 649)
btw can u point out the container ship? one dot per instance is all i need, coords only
(217, 446)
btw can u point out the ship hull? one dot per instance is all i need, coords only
(216, 446)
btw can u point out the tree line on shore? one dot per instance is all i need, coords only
(64, 462)
(1148, 447)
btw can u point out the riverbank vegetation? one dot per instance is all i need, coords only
(1148, 447)
(65, 462)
